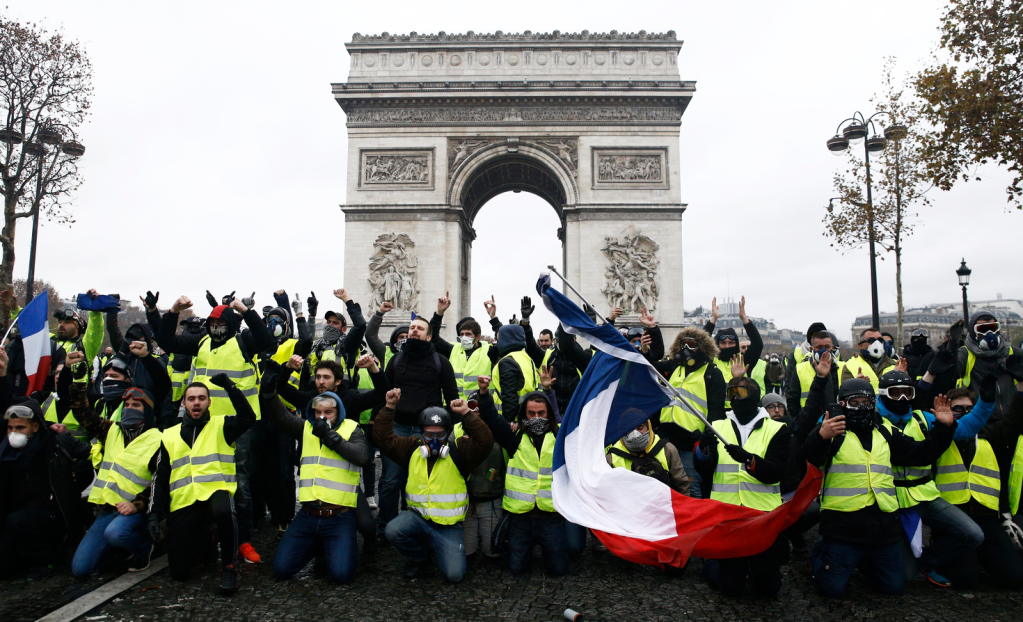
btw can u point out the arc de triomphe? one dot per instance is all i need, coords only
(440, 124)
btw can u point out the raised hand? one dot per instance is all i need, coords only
(903, 364)
(942, 410)
(824, 366)
(296, 306)
(484, 383)
(615, 314)
(459, 406)
(367, 361)
(644, 342)
(228, 299)
(183, 303)
(342, 294)
(3, 362)
(392, 398)
(139, 349)
(526, 307)
(738, 367)
(150, 300)
(546, 379)
(714, 312)
(210, 298)
(295, 362)
(73, 358)
(250, 300)
(443, 303)
(312, 304)
(238, 306)
(646, 319)
(742, 310)
(222, 380)
(385, 307)
(490, 306)
(832, 426)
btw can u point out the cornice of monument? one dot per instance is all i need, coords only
(527, 36)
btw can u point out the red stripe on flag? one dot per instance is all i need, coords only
(716, 530)
(38, 379)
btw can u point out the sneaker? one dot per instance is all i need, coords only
(138, 564)
(228, 581)
(372, 503)
(248, 554)
(937, 579)
(414, 567)
(38, 573)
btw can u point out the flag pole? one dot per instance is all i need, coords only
(660, 379)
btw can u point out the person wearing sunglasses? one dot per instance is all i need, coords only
(746, 471)
(982, 475)
(130, 455)
(987, 352)
(690, 368)
(871, 362)
(954, 532)
(41, 503)
(857, 449)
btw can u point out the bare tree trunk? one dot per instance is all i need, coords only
(7, 264)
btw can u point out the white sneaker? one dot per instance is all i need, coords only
(372, 503)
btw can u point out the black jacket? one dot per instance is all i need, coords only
(256, 339)
(425, 379)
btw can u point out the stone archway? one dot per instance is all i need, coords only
(440, 124)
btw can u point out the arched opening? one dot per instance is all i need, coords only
(506, 246)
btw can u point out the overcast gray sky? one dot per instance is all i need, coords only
(216, 154)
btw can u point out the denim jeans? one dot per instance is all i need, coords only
(689, 464)
(479, 525)
(392, 480)
(833, 562)
(244, 467)
(996, 554)
(111, 529)
(548, 532)
(576, 537)
(336, 534)
(953, 533)
(414, 536)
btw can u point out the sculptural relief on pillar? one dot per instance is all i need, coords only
(394, 271)
(631, 272)
(396, 169)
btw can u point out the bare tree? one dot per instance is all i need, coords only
(45, 96)
(899, 181)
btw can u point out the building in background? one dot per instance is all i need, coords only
(936, 318)
(776, 340)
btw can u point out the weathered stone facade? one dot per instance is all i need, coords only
(440, 124)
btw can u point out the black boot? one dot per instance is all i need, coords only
(414, 567)
(228, 580)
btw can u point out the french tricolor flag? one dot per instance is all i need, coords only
(35, 337)
(639, 518)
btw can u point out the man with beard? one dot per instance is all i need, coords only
(339, 342)
(746, 473)
(871, 362)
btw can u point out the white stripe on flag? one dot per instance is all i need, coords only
(37, 345)
(588, 492)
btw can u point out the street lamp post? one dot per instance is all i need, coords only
(964, 279)
(858, 128)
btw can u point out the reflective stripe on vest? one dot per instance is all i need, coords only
(531, 379)
(527, 481)
(911, 494)
(732, 483)
(326, 476)
(982, 480)
(199, 471)
(857, 478)
(692, 387)
(124, 471)
(1016, 477)
(468, 370)
(227, 359)
(437, 494)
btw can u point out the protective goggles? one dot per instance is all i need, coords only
(429, 436)
(982, 328)
(726, 339)
(737, 392)
(898, 393)
(919, 332)
(119, 366)
(472, 401)
(690, 344)
(135, 393)
(19, 412)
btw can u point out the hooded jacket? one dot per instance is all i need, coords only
(510, 338)
(915, 356)
(424, 377)
(990, 362)
(715, 381)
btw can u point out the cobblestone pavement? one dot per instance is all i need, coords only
(599, 586)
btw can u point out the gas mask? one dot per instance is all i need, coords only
(537, 425)
(436, 447)
(818, 354)
(17, 440)
(467, 342)
(989, 341)
(278, 328)
(636, 442)
(889, 349)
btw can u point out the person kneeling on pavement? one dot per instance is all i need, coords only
(197, 480)
(333, 451)
(436, 491)
(643, 452)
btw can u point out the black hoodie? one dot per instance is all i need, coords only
(424, 377)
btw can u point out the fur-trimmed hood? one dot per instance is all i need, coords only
(706, 343)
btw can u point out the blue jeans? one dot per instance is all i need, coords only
(953, 533)
(111, 529)
(548, 532)
(392, 480)
(689, 464)
(833, 562)
(414, 536)
(336, 534)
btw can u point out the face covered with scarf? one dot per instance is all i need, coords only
(536, 416)
(137, 414)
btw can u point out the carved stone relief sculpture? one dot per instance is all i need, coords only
(396, 169)
(630, 168)
(669, 115)
(565, 149)
(394, 271)
(631, 272)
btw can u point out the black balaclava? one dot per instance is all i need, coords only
(747, 407)
(858, 419)
(727, 353)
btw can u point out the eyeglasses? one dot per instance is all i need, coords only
(137, 394)
(775, 407)
(986, 327)
(961, 410)
(19, 412)
(898, 393)
(737, 392)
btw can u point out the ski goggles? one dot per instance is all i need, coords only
(919, 332)
(982, 328)
(19, 412)
(135, 393)
(690, 343)
(727, 341)
(737, 392)
(898, 393)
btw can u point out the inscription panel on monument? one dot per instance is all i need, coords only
(396, 169)
(615, 168)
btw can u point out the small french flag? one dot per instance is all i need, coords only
(35, 337)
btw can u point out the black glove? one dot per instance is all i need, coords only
(222, 381)
(153, 526)
(527, 307)
(249, 302)
(210, 299)
(79, 370)
(590, 311)
(739, 454)
(989, 389)
(151, 300)
(944, 359)
(708, 440)
(513, 320)
(228, 299)
(312, 304)
(321, 428)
